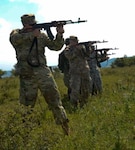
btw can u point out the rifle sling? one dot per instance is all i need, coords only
(34, 62)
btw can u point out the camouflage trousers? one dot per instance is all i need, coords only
(41, 78)
(66, 80)
(96, 81)
(80, 88)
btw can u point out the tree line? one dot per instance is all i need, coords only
(123, 62)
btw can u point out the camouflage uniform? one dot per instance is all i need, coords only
(79, 73)
(94, 64)
(39, 77)
(63, 64)
(64, 67)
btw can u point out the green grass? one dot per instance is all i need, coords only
(107, 122)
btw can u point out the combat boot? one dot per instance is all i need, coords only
(65, 127)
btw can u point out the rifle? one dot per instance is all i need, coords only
(47, 26)
(111, 54)
(92, 42)
(105, 50)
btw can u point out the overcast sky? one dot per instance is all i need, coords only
(111, 20)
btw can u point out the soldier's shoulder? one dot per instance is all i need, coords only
(15, 31)
(80, 46)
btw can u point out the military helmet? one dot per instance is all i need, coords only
(28, 19)
(73, 38)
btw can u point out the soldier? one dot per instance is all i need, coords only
(63, 64)
(29, 45)
(94, 61)
(79, 72)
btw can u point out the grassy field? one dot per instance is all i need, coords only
(107, 122)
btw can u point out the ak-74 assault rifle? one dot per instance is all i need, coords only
(92, 42)
(47, 26)
(111, 54)
(88, 44)
(105, 50)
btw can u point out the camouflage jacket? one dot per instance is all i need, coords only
(63, 63)
(95, 59)
(23, 41)
(77, 57)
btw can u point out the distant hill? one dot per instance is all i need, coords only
(7, 74)
(107, 63)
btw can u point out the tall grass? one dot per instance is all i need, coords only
(107, 122)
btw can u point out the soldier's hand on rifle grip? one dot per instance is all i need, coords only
(60, 29)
